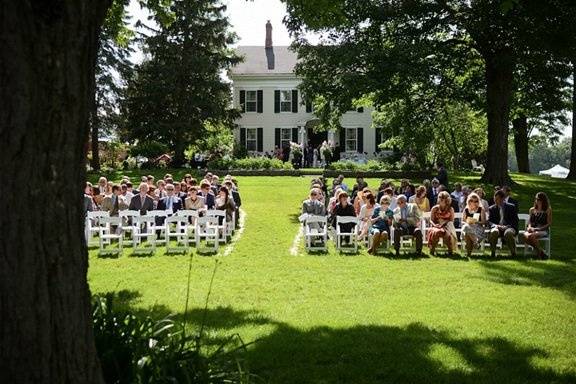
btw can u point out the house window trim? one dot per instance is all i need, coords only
(346, 139)
(255, 101)
(255, 129)
(291, 101)
(282, 129)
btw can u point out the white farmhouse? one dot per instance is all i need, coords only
(274, 113)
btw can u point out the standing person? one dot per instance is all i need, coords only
(442, 220)
(442, 175)
(142, 202)
(539, 223)
(380, 223)
(406, 222)
(503, 217)
(474, 221)
(433, 192)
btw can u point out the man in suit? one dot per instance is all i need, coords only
(442, 175)
(171, 202)
(508, 192)
(114, 203)
(142, 202)
(406, 221)
(236, 197)
(206, 193)
(503, 218)
(433, 192)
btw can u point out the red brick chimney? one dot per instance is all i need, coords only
(268, 35)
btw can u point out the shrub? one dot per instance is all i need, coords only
(371, 165)
(149, 149)
(249, 163)
(135, 349)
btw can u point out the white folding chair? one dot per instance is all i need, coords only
(176, 227)
(127, 217)
(191, 215)
(425, 224)
(91, 225)
(222, 225)
(143, 230)
(108, 231)
(343, 235)
(207, 229)
(316, 231)
(158, 227)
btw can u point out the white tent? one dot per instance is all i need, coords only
(557, 171)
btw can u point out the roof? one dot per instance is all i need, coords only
(259, 60)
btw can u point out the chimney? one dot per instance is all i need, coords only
(268, 35)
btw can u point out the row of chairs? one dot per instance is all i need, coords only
(158, 227)
(316, 233)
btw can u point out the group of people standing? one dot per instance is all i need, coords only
(403, 207)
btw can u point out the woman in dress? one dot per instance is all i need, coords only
(474, 220)
(539, 223)
(442, 224)
(420, 199)
(365, 214)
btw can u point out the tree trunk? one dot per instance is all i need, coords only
(47, 51)
(572, 174)
(520, 128)
(499, 76)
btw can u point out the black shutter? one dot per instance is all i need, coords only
(276, 101)
(360, 138)
(243, 137)
(378, 139)
(277, 137)
(295, 101)
(308, 107)
(360, 109)
(243, 101)
(342, 139)
(260, 139)
(260, 101)
(294, 135)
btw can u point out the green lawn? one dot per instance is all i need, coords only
(333, 318)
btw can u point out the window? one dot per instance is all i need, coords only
(251, 139)
(285, 101)
(351, 139)
(251, 101)
(285, 137)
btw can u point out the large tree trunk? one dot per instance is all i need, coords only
(47, 50)
(499, 76)
(572, 174)
(520, 128)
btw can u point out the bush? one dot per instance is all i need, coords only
(371, 165)
(135, 349)
(149, 149)
(249, 163)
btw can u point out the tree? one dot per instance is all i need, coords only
(112, 65)
(572, 174)
(178, 90)
(405, 40)
(47, 55)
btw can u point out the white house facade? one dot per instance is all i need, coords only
(274, 112)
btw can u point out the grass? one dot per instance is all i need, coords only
(333, 318)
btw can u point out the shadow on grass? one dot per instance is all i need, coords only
(552, 274)
(364, 354)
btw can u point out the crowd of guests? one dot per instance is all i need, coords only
(401, 207)
(165, 194)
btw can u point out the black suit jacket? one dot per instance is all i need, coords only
(432, 198)
(136, 204)
(514, 202)
(510, 215)
(209, 200)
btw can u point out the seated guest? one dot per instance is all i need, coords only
(142, 202)
(192, 182)
(491, 198)
(457, 193)
(365, 214)
(236, 197)
(215, 184)
(383, 185)
(508, 191)
(474, 221)
(225, 202)
(360, 200)
(113, 203)
(126, 194)
(359, 186)
(483, 202)
(420, 199)
(206, 193)
(407, 218)
(390, 192)
(194, 202)
(466, 190)
(539, 223)
(181, 190)
(503, 218)
(342, 183)
(380, 223)
(343, 208)
(88, 202)
(150, 180)
(313, 205)
(334, 201)
(160, 191)
(442, 224)
(187, 178)
(171, 202)
(102, 185)
(409, 191)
